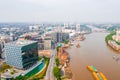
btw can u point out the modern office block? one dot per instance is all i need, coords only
(22, 53)
(47, 43)
(0, 50)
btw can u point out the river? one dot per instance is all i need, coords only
(94, 51)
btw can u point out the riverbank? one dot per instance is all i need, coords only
(63, 63)
(93, 51)
(114, 45)
(109, 36)
(111, 42)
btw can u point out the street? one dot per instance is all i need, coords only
(49, 72)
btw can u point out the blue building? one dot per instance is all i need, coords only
(22, 53)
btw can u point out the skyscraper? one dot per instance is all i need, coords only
(0, 49)
(78, 28)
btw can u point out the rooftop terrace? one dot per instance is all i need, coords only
(21, 42)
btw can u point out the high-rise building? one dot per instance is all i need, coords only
(66, 25)
(65, 36)
(47, 43)
(62, 36)
(78, 28)
(22, 53)
(5, 38)
(35, 27)
(59, 36)
(12, 37)
(0, 50)
(54, 36)
(2, 55)
(30, 28)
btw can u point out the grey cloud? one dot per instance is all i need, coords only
(59, 10)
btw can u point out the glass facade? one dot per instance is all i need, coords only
(21, 56)
(62, 36)
(0, 51)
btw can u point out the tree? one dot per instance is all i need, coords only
(56, 72)
(109, 37)
(57, 61)
(57, 49)
(20, 78)
(65, 41)
(4, 67)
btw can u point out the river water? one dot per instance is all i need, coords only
(94, 51)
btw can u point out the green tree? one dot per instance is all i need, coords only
(20, 78)
(109, 37)
(57, 49)
(57, 61)
(56, 72)
(36, 79)
(4, 67)
(65, 41)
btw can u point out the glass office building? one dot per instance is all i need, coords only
(0, 50)
(22, 53)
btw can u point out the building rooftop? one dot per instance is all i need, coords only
(21, 42)
(31, 34)
(47, 37)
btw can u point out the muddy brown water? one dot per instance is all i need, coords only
(94, 51)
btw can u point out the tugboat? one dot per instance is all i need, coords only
(81, 38)
(78, 45)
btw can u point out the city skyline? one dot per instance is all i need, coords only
(51, 51)
(97, 11)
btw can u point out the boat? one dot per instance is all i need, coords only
(92, 68)
(81, 38)
(103, 76)
(78, 45)
(97, 75)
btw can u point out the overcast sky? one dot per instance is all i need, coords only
(59, 10)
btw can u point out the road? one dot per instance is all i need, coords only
(49, 72)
